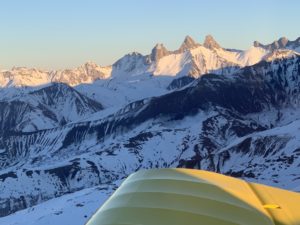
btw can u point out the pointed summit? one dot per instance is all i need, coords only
(257, 44)
(188, 43)
(283, 41)
(158, 52)
(210, 42)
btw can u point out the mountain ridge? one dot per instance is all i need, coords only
(191, 59)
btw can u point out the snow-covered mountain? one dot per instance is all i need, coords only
(191, 59)
(201, 106)
(135, 76)
(43, 107)
(22, 76)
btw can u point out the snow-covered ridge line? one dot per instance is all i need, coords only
(191, 59)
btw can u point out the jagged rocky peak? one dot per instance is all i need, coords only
(91, 67)
(158, 52)
(133, 55)
(187, 44)
(91, 64)
(256, 44)
(281, 43)
(128, 58)
(210, 42)
(133, 63)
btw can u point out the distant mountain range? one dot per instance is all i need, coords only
(191, 59)
(202, 106)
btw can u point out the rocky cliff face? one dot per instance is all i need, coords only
(158, 52)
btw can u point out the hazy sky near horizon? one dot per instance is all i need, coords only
(56, 34)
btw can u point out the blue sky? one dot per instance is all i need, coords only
(54, 34)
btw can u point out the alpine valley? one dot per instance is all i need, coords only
(69, 137)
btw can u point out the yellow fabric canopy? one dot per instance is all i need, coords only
(195, 197)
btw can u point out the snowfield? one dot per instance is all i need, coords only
(75, 208)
